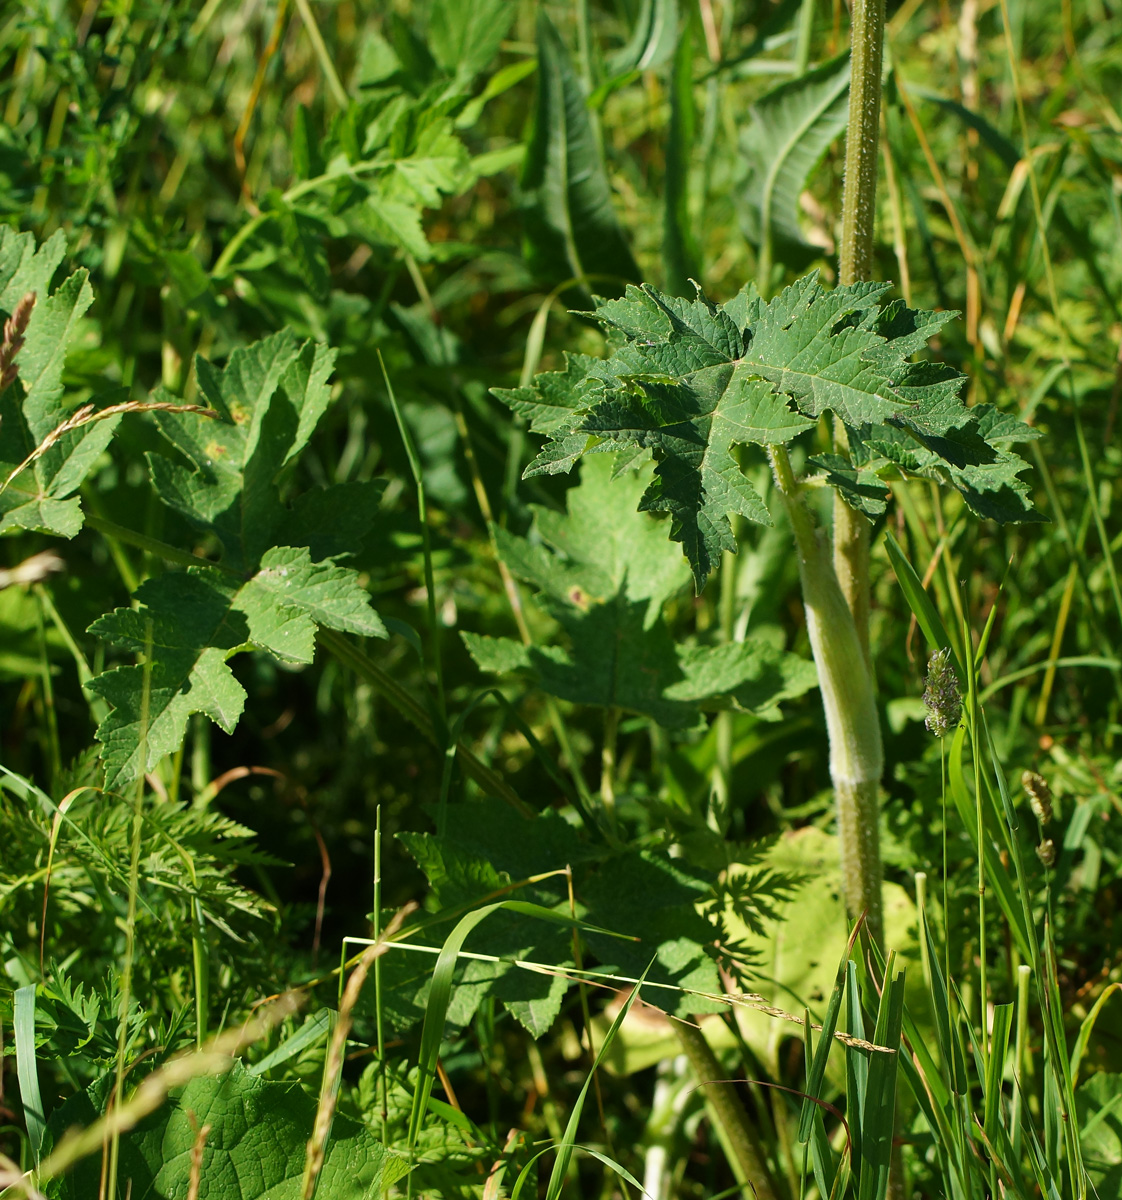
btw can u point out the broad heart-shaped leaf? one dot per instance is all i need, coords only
(689, 381)
(571, 227)
(605, 578)
(255, 1149)
(42, 496)
(189, 624)
(790, 129)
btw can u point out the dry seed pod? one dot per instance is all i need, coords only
(1046, 852)
(1039, 794)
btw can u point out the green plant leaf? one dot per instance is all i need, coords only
(464, 38)
(652, 41)
(254, 1151)
(679, 243)
(190, 624)
(791, 128)
(605, 578)
(691, 381)
(42, 496)
(272, 395)
(571, 227)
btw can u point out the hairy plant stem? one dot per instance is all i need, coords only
(730, 1120)
(836, 587)
(859, 196)
(855, 263)
(849, 701)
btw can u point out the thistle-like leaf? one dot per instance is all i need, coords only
(689, 381)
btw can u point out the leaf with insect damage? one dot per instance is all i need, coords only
(186, 627)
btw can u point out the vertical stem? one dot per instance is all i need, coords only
(720, 792)
(584, 43)
(805, 34)
(859, 198)
(849, 702)
(734, 1129)
(608, 762)
(839, 633)
(380, 1034)
(851, 563)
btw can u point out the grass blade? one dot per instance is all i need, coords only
(878, 1115)
(817, 1072)
(27, 1071)
(920, 602)
(440, 995)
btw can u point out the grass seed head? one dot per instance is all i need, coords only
(14, 329)
(1046, 852)
(1039, 794)
(941, 694)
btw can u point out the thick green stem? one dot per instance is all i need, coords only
(734, 1130)
(849, 702)
(851, 565)
(859, 198)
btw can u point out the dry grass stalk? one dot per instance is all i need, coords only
(14, 329)
(88, 414)
(12, 1177)
(32, 570)
(197, 1157)
(333, 1067)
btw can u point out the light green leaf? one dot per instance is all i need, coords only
(679, 242)
(652, 41)
(255, 1149)
(604, 573)
(31, 409)
(273, 394)
(24, 267)
(464, 38)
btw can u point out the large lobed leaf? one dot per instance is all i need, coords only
(689, 381)
(604, 573)
(279, 581)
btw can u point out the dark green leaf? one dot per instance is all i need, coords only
(571, 227)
